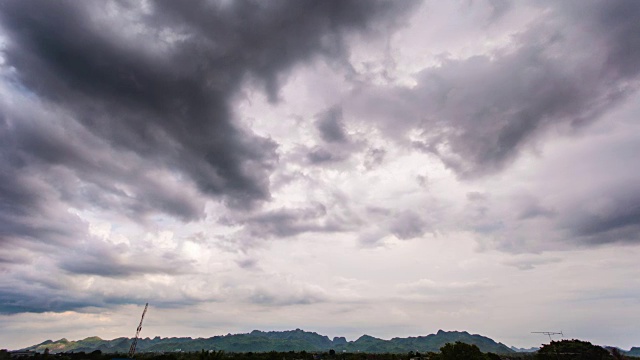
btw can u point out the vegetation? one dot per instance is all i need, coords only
(461, 351)
(557, 350)
(272, 355)
(259, 345)
(572, 350)
(635, 351)
(282, 341)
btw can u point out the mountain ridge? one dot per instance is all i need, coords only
(264, 341)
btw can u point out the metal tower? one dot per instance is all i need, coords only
(132, 349)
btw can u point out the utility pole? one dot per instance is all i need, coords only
(132, 349)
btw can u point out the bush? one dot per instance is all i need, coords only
(572, 350)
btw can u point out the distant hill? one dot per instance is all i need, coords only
(261, 341)
(635, 351)
(525, 350)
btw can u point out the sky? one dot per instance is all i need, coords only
(389, 168)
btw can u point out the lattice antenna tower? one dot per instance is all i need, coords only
(132, 349)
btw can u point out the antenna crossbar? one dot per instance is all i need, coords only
(549, 333)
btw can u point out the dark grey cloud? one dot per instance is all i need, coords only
(25, 296)
(30, 292)
(336, 145)
(172, 109)
(287, 222)
(12, 256)
(404, 224)
(331, 126)
(477, 207)
(164, 112)
(499, 8)
(13, 301)
(531, 262)
(608, 217)
(475, 196)
(408, 225)
(50, 166)
(296, 294)
(320, 155)
(26, 215)
(248, 263)
(118, 261)
(374, 157)
(127, 109)
(477, 114)
(111, 267)
(536, 210)
(63, 279)
(589, 204)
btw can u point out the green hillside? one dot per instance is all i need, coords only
(261, 341)
(635, 351)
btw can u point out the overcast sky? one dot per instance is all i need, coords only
(346, 167)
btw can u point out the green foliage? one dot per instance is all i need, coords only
(635, 351)
(461, 351)
(280, 341)
(210, 355)
(617, 354)
(434, 342)
(572, 350)
(4, 355)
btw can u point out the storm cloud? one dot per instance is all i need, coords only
(331, 127)
(127, 108)
(478, 114)
(170, 104)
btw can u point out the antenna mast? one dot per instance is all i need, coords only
(548, 333)
(132, 349)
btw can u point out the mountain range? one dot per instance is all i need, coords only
(261, 341)
(525, 350)
(635, 351)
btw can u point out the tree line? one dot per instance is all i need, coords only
(556, 350)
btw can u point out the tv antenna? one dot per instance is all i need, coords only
(132, 349)
(549, 333)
